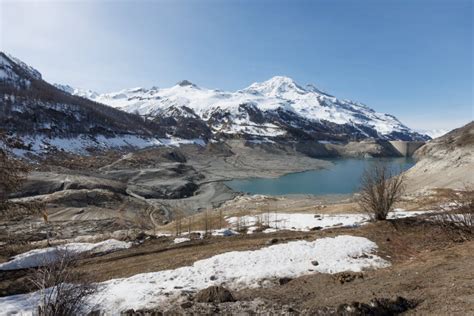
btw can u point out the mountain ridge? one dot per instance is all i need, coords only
(280, 110)
(273, 108)
(38, 117)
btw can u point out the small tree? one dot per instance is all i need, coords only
(381, 188)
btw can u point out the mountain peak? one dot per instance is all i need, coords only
(275, 86)
(186, 83)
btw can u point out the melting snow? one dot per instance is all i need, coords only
(236, 269)
(38, 257)
(81, 143)
(306, 222)
(180, 240)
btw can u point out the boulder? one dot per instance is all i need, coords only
(214, 294)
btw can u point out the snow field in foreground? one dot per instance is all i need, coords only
(38, 257)
(236, 269)
(306, 222)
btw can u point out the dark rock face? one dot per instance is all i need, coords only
(143, 312)
(271, 241)
(183, 126)
(214, 294)
(176, 156)
(283, 281)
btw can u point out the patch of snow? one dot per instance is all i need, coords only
(236, 269)
(306, 222)
(80, 143)
(180, 240)
(38, 257)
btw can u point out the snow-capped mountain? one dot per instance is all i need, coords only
(59, 116)
(277, 108)
(39, 117)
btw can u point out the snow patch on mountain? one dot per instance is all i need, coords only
(89, 94)
(81, 144)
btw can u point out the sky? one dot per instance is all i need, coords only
(409, 58)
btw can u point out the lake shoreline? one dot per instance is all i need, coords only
(341, 177)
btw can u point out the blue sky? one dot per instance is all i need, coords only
(410, 58)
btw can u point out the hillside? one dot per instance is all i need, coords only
(445, 162)
(39, 117)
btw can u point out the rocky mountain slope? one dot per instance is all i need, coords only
(445, 162)
(40, 117)
(278, 109)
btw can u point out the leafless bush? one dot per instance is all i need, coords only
(380, 189)
(458, 213)
(178, 224)
(221, 218)
(62, 289)
(241, 224)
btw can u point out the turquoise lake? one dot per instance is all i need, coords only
(341, 178)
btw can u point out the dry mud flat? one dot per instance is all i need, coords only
(151, 183)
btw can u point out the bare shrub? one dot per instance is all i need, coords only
(62, 289)
(207, 223)
(458, 213)
(381, 188)
(178, 223)
(241, 224)
(221, 218)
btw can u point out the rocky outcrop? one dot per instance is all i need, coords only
(214, 294)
